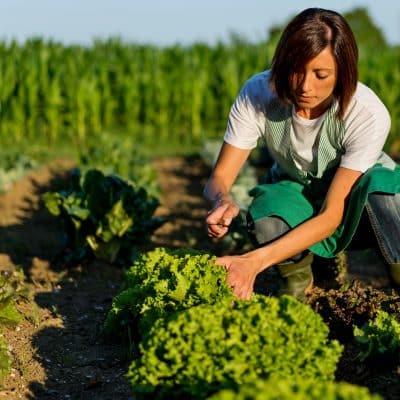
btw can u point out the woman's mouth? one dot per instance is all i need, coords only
(304, 98)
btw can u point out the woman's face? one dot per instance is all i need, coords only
(313, 87)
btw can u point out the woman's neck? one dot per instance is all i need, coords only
(313, 113)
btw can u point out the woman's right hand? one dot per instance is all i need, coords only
(230, 161)
(220, 217)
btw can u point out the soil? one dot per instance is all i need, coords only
(58, 350)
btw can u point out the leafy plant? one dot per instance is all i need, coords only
(5, 360)
(380, 336)
(122, 158)
(195, 352)
(353, 304)
(164, 281)
(11, 290)
(296, 389)
(104, 215)
(14, 167)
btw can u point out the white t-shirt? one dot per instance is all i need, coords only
(366, 122)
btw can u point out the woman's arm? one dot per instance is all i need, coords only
(226, 169)
(243, 269)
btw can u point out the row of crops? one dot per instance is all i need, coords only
(190, 338)
(186, 334)
(174, 94)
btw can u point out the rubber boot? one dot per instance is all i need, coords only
(298, 277)
(394, 270)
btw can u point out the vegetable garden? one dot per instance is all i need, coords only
(108, 282)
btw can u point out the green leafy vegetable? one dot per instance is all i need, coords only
(195, 352)
(104, 214)
(12, 288)
(163, 281)
(5, 360)
(380, 336)
(296, 389)
(14, 167)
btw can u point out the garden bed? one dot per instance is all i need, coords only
(58, 351)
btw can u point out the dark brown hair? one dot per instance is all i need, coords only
(304, 38)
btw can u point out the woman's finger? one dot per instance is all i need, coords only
(217, 230)
(221, 261)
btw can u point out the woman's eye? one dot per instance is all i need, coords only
(322, 76)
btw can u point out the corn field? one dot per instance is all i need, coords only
(173, 94)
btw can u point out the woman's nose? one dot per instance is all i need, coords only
(305, 83)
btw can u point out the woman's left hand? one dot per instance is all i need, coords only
(242, 272)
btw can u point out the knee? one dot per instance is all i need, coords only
(266, 229)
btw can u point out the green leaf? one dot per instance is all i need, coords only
(52, 201)
(8, 312)
(5, 360)
(104, 251)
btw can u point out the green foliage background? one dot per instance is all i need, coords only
(176, 95)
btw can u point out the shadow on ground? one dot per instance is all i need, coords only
(65, 342)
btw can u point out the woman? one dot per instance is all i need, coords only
(325, 132)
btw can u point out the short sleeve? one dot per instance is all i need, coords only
(246, 121)
(367, 128)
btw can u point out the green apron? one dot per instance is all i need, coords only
(294, 202)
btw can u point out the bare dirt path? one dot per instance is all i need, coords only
(182, 181)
